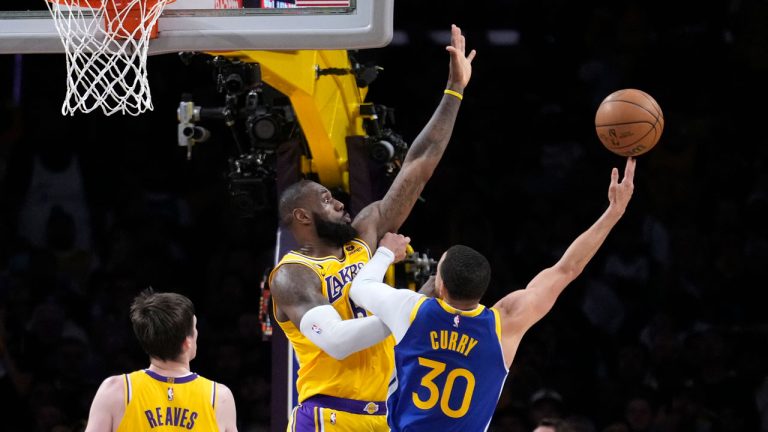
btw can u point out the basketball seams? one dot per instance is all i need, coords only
(655, 116)
(634, 117)
(652, 128)
(652, 124)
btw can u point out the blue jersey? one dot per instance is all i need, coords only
(450, 370)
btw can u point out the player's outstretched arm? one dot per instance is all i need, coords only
(226, 411)
(392, 305)
(388, 214)
(108, 405)
(521, 309)
(297, 291)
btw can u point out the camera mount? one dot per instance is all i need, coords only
(385, 146)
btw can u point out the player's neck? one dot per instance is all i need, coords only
(319, 249)
(169, 368)
(462, 305)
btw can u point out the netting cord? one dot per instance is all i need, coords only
(106, 64)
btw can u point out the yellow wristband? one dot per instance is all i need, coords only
(454, 93)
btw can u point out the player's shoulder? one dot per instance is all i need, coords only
(294, 272)
(114, 382)
(225, 395)
(112, 392)
(223, 389)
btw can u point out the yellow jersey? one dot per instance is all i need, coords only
(157, 403)
(363, 375)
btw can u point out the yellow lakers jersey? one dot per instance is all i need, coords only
(363, 375)
(157, 403)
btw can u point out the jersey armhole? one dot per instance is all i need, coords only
(365, 245)
(415, 309)
(128, 390)
(497, 319)
(213, 395)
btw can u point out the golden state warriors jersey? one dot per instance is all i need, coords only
(450, 370)
(363, 375)
(157, 403)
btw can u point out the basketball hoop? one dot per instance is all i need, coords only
(106, 44)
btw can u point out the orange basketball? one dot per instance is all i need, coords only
(629, 122)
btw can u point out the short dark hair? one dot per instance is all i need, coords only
(291, 198)
(466, 273)
(161, 322)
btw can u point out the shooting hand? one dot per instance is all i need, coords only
(619, 193)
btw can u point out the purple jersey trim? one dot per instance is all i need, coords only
(346, 405)
(172, 380)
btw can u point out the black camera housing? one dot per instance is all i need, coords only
(233, 77)
(251, 183)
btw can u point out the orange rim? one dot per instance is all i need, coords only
(93, 4)
(128, 24)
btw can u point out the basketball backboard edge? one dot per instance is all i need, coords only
(364, 24)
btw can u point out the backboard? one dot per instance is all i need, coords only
(224, 25)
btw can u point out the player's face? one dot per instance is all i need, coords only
(332, 223)
(330, 209)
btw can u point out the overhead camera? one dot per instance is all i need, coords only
(254, 113)
(385, 145)
(251, 181)
(234, 76)
(190, 133)
(388, 147)
(267, 124)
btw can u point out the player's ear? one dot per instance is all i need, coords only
(439, 288)
(302, 216)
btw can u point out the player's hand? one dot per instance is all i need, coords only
(461, 64)
(397, 243)
(619, 193)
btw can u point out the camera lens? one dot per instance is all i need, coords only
(382, 151)
(233, 83)
(264, 128)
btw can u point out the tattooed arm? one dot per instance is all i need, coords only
(390, 212)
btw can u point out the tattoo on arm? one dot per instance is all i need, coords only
(419, 164)
(433, 139)
(296, 289)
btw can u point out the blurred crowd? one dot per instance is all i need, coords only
(663, 332)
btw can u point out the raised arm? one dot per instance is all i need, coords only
(297, 291)
(422, 158)
(521, 309)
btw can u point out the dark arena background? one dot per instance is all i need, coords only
(663, 331)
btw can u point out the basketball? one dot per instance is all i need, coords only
(629, 122)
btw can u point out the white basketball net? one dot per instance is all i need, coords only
(106, 46)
